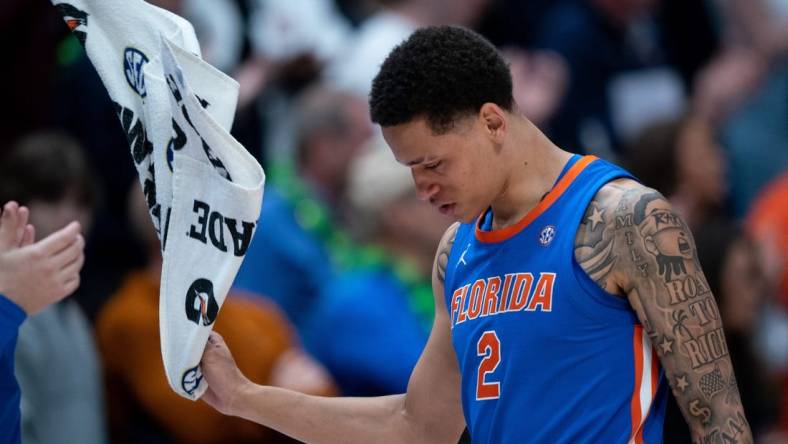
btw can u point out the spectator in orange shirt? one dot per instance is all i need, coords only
(142, 406)
(767, 222)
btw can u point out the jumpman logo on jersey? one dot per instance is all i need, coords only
(462, 256)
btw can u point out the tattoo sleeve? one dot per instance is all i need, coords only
(442, 255)
(632, 243)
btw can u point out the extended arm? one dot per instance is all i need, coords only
(429, 412)
(632, 243)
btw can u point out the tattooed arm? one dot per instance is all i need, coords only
(633, 244)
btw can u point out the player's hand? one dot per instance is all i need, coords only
(35, 275)
(225, 380)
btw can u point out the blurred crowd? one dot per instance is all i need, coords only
(334, 295)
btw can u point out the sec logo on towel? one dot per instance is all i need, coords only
(133, 62)
(191, 380)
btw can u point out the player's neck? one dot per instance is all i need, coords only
(536, 163)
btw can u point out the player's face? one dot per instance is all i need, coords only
(454, 171)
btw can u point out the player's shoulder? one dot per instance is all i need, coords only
(622, 196)
(447, 241)
(617, 206)
(443, 252)
(611, 224)
(448, 236)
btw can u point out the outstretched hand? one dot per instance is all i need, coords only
(225, 380)
(14, 230)
(36, 274)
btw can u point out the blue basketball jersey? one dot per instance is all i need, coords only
(546, 355)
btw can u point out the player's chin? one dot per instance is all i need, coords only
(466, 220)
(465, 217)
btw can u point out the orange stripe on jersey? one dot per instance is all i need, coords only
(646, 380)
(637, 340)
(508, 232)
(654, 373)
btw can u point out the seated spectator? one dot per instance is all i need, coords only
(392, 23)
(143, 408)
(618, 80)
(290, 43)
(48, 173)
(743, 92)
(755, 137)
(767, 222)
(350, 326)
(298, 245)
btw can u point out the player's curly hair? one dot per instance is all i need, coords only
(440, 73)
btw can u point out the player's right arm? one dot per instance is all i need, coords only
(430, 411)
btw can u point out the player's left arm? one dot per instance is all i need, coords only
(633, 244)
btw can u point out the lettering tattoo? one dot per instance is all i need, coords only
(712, 437)
(684, 289)
(624, 221)
(737, 427)
(644, 251)
(706, 348)
(636, 256)
(705, 311)
(664, 236)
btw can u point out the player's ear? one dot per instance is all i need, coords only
(494, 121)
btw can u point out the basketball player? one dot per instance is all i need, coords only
(568, 299)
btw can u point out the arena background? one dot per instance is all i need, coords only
(334, 297)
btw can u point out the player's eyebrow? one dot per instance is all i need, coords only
(415, 162)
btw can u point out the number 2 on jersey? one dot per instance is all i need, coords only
(489, 346)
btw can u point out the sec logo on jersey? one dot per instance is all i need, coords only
(547, 235)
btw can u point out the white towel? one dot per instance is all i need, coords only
(203, 189)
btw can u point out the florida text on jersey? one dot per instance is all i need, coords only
(546, 355)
